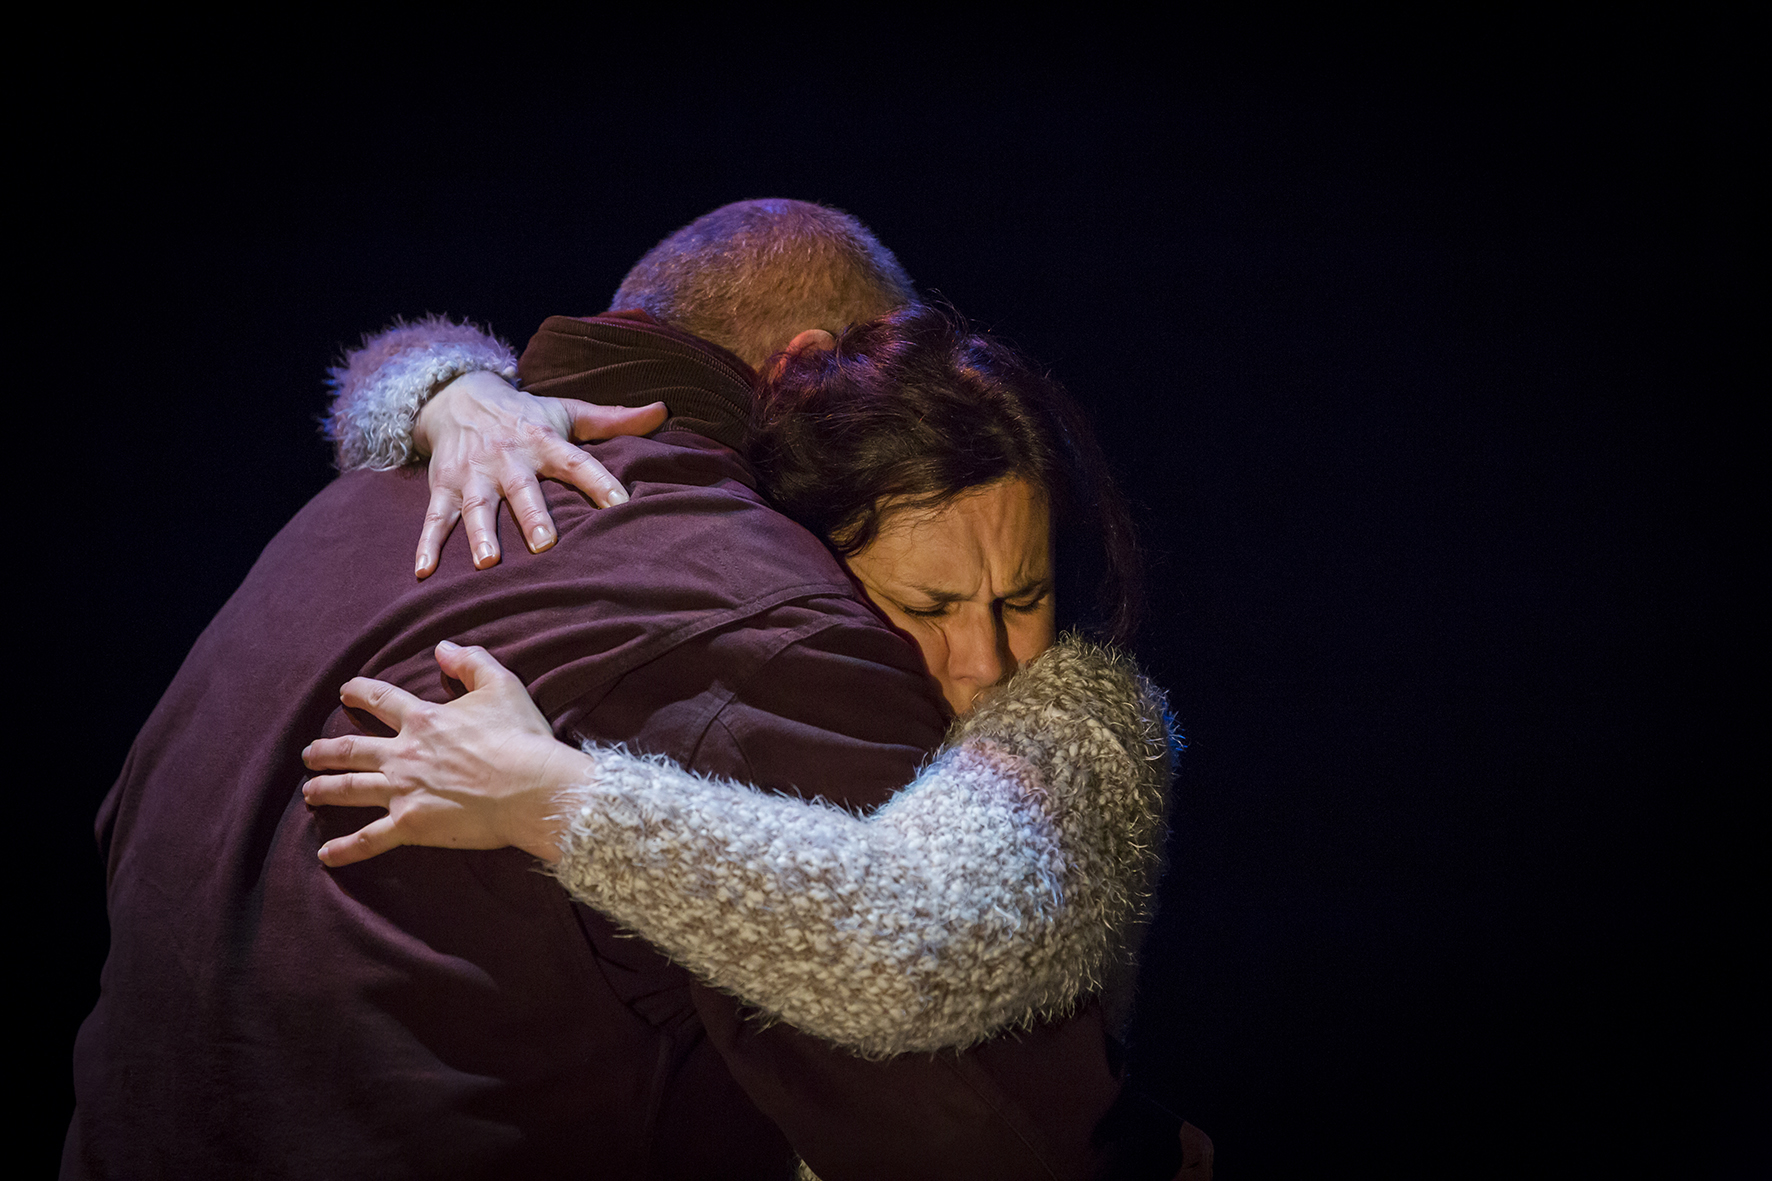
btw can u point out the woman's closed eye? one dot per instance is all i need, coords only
(1026, 605)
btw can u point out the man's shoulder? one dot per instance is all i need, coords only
(693, 524)
(833, 704)
(752, 653)
(693, 598)
(695, 534)
(696, 553)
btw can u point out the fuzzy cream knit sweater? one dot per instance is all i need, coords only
(1003, 886)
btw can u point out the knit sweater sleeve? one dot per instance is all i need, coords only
(379, 389)
(998, 889)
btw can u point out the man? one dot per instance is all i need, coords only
(436, 1013)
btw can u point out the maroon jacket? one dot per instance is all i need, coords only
(434, 1013)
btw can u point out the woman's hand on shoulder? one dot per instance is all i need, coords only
(488, 441)
(481, 772)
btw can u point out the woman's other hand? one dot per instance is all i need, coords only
(481, 772)
(488, 441)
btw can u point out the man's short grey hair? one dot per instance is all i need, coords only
(750, 275)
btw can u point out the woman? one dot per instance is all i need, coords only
(1001, 887)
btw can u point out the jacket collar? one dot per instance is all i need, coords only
(630, 359)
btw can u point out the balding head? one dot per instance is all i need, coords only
(752, 275)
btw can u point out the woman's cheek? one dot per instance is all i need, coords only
(1035, 633)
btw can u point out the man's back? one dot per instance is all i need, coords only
(437, 1013)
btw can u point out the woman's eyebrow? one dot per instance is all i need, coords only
(1039, 583)
(939, 596)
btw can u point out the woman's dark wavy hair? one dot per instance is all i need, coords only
(915, 406)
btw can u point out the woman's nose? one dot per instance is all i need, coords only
(978, 651)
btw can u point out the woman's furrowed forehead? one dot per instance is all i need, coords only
(994, 540)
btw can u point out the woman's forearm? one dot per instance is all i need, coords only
(1002, 886)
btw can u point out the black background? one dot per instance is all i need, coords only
(1418, 359)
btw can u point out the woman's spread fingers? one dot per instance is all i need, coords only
(528, 508)
(591, 422)
(353, 752)
(372, 840)
(479, 512)
(389, 703)
(473, 666)
(440, 518)
(355, 789)
(562, 461)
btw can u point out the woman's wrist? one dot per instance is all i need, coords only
(539, 818)
(380, 388)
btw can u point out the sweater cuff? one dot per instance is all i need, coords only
(380, 388)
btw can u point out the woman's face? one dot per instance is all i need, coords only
(970, 581)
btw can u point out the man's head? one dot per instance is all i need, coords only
(753, 275)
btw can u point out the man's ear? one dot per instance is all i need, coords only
(812, 338)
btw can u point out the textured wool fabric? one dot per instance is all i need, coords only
(379, 390)
(1001, 887)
